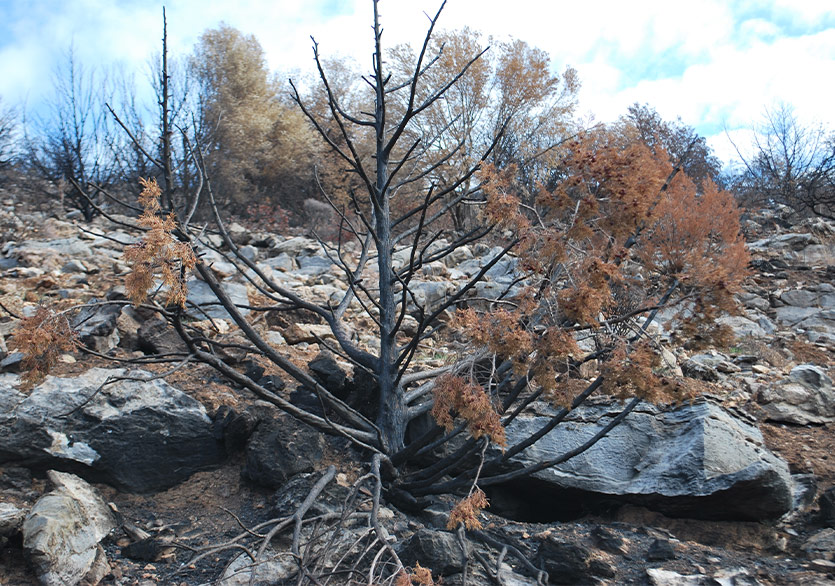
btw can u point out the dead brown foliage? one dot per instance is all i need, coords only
(42, 338)
(158, 253)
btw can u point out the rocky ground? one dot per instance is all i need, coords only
(181, 465)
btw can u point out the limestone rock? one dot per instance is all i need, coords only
(96, 326)
(155, 336)
(297, 245)
(566, 563)
(698, 460)
(799, 298)
(659, 577)
(272, 569)
(821, 545)
(140, 436)
(11, 517)
(201, 295)
(437, 550)
(314, 265)
(743, 327)
(805, 397)
(62, 532)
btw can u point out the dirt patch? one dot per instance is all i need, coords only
(807, 449)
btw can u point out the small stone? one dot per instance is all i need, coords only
(309, 333)
(74, 266)
(437, 549)
(659, 577)
(823, 566)
(12, 362)
(821, 545)
(608, 540)
(661, 550)
(273, 569)
(11, 518)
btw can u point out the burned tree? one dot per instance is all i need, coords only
(791, 163)
(622, 235)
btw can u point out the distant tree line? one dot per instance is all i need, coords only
(791, 163)
(91, 140)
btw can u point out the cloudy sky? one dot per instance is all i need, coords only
(715, 63)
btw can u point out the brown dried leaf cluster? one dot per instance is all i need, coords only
(467, 510)
(632, 372)
(499, 332)
(601, 247)
(158, 253)
(42, 338)
(467, 400)
(418, 576)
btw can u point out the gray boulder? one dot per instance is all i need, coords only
(279, 448)
(570, 563)
(791, 241)
(297, 246)
(138, 435)
(812, 376)
(62, 532)
(155, 336)
(429, 294)
(11, 518)
(60, 247)
(744, 327)
(805, 397)
(271, 569)
(282, 262)
(314, 265)
(800, 298)
(200, 294)
(96, 326)
(708, 366)
(791, 315)
(436, 549)
(239, 234)
(698, 460)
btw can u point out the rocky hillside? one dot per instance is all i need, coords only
(111, 473)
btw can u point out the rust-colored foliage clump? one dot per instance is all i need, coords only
(467, 510)
(158, 253)
(620, 234)
(42, 338)
(418, 576)
(454, 394)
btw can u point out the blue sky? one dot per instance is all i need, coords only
(716, 63)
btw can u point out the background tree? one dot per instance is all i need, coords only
(675, 139)
(791, 163)
(336, 180)
(509, 95)
(8, 135)
(149, 148)
(71, 144)
(256, 144)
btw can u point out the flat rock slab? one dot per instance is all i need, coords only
(138, 435)
(201, 295)
(698, 460)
